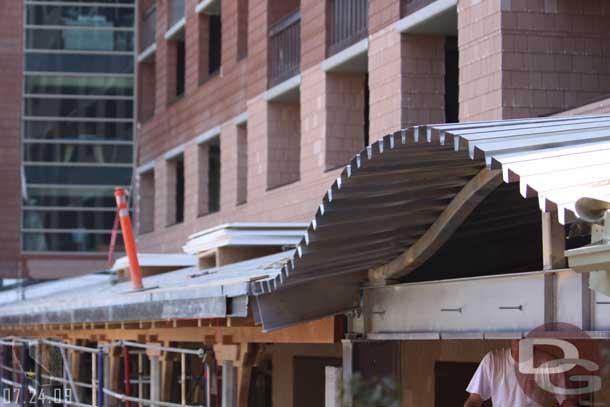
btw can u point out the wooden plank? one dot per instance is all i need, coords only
(167, 374)
(462, 205)
(325, 330)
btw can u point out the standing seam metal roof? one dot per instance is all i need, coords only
(392, 192)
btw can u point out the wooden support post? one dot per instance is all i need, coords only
(348, 371)
(244, 373)
(228, 384)
(167, 376)
(553, 242)
(155, 378)
(114, 369)
(553, 257)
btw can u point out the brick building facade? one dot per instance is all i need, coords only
(247, 110)
(283, 137)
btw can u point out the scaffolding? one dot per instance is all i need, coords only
(35, 372)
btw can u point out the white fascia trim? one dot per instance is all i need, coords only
(283, 88)
(208, 135)
(422, 15)
(241, 119)
(144, 168)
(148, 52)
(359, 48)
(202, 6)
(174, 152)
(177, 260)
(175, 29)
(242, 235)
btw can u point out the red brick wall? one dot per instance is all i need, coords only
(522, 58)
(556, 55)
(11, 79)
(284, 143)
(480, 60)
(383, 13)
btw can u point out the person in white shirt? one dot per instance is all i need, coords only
(496, 379)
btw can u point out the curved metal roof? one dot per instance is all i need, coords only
(392, 192)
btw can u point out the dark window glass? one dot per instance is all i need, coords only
(52, 219)
(180, 190)
(78, 108)
(79, 197)
(131, 2)
(180, 67)
(366, 110)
(67, 130)
(215, 48)
(76, 241)
(214, 179)
(81, 153)
(79, 85)
(66, 175)
(117, 64)
(80, 16)
(75, 39)
(452, 73)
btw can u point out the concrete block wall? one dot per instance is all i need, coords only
(556, 55)
(523, 58)
(406, 80)
(480, 59)
(283, 143)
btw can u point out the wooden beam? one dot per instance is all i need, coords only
(462, 205)
(325, 330)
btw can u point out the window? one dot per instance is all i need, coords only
(214, 179)
(215, 46)
(242, 28)
(146, 202)
(78, 107)
(147, 90)
(209, 177)
(180, 67)
(210, 45)
(175, 189)
(452, 105)
(242, 164)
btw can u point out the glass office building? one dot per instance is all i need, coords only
(78, 121)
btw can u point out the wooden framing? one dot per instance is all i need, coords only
(326, 330)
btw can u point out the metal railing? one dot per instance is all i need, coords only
(348, 23)
(176, 12)
(409, 6)
(149, 27)
(285, 43)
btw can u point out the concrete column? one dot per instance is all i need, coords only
(348, 371)
(229, 384)
(333, 385)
